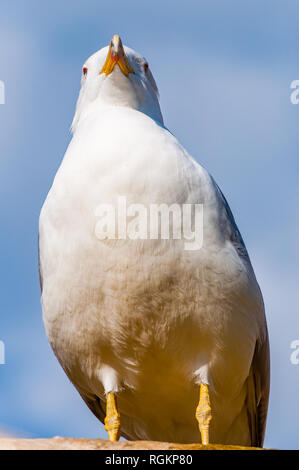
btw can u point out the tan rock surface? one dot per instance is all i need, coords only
(59, 443)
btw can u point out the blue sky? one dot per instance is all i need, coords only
(224, 70)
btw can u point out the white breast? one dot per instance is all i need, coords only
(145, 317)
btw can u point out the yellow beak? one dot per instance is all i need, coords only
(116, 55)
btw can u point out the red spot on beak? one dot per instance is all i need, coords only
(114, 57)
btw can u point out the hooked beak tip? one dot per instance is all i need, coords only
(116, 55)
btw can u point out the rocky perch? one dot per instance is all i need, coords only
(59, 443)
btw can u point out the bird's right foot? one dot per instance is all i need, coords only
(204, 413)
(112, 420)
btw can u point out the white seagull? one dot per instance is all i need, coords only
(162, 342)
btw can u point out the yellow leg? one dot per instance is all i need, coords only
(112, 420)
(204, 413)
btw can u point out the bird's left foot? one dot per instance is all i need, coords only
(112, 420)
(204, 413)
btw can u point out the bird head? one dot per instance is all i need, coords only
(117, 76)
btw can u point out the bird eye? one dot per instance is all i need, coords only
(145, 67)
(85, 70)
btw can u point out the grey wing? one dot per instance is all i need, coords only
(94, 404)
(259, 376)
(258, 392)
(235, 235)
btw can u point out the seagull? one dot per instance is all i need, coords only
(163, 341)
